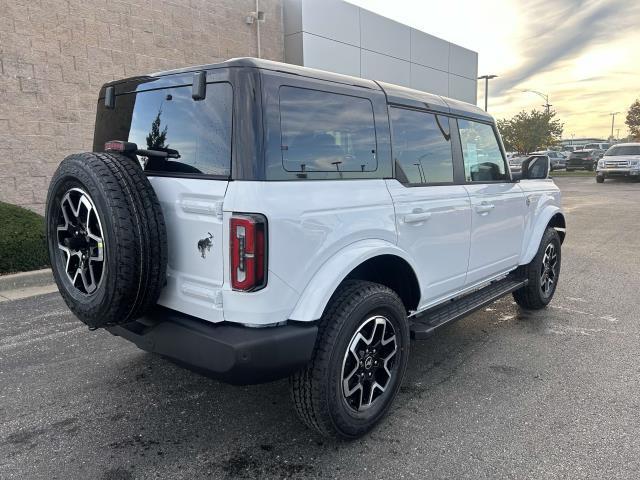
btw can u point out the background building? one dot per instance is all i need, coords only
(565, 142)
(55, 55)
(341, 37)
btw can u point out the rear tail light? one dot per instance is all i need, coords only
(248, 243)
(119, 146)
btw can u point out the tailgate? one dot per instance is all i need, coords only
(195, 272)
(183, 142)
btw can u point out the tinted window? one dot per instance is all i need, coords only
(483, 160)
(623, 150)
(326, 132)
(421, 147)
(170, 120)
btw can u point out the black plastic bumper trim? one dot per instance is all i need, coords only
(232, 353)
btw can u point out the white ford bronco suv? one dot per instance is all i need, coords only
(254, 220)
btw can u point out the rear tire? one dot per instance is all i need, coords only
(106, 238)
(542, 273)
(336, 393)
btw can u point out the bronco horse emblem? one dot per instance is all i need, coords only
(205, 244)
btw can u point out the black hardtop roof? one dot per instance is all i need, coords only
(396, 94)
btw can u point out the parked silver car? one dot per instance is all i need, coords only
(558, 159)
(621, 160)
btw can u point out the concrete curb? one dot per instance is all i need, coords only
(36, 278)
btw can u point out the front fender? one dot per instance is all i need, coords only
(534, 239)
(318, 291)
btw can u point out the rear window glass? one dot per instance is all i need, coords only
(421, 147)
(326, 132)
(196, 133)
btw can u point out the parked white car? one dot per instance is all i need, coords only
(621, 160)
(257, 220)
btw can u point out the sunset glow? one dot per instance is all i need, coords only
(583, 54)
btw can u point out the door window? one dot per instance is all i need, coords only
(421, 147)
(483, 161)
(326, 132)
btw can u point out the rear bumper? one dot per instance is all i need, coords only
(229, 352)
(581, 166)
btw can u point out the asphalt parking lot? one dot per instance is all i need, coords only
(502, 394)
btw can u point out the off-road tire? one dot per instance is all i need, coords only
(599, 179)
(531, 296)
(133, 228)
(317, 390)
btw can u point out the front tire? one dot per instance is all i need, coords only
(542, 273)
(600, 179)
(358, 362)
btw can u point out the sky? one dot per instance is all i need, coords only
(584, 54)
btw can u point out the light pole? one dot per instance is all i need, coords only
(613, 120)
(546, 105)
(486, 88)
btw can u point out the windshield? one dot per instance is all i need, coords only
(623, 150)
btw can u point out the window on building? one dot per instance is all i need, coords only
(421, 147)
(483, 161)
(326, 132)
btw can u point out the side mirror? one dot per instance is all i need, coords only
(536, 168)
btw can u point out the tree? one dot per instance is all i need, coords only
(156, 138)
(528, 132)
(633, 120)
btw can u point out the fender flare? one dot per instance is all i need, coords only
(324, 282)
(538, 231)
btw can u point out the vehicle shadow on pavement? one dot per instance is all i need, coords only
(180, 417)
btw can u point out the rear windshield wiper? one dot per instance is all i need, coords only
(130, 147)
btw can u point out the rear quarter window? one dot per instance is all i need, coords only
(325, 134)
(199, 132)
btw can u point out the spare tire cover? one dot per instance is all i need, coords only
(106, 237)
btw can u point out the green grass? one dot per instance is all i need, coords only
(23, 244)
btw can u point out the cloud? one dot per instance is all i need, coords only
(561, 30)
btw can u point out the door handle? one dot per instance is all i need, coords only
(484, 208)
(417, 216)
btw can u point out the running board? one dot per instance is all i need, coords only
(426, 322)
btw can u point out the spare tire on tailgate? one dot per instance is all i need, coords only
(106, 237)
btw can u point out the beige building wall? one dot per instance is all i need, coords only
(56, 54)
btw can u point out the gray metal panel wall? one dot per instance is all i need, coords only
(340, 37)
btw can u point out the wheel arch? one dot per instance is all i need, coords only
(560, 224)
(552, 217)
(393, 272)
(364, 260)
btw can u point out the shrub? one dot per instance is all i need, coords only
(23, 244)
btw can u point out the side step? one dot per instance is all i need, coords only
(426, 322)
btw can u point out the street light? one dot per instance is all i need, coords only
(545, 97)
(486, 88)
(613, 119)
